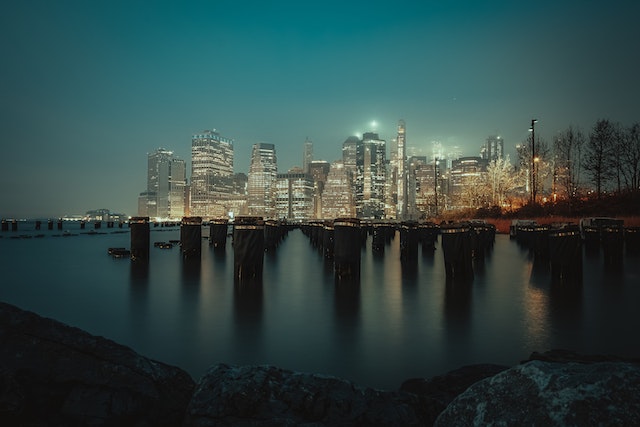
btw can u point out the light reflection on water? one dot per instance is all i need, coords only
(401, 320)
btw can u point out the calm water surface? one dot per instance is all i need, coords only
(399, 323)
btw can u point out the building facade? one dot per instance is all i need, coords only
(166, 180)
(212, 183)
(261, 184)
(401, 172)
(294, 196)
(370, 179)
(493, 149)
(307, 155)
(337, 197)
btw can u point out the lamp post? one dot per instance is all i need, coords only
(435, 182)
(532, 129)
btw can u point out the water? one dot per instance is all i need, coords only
(398, 324)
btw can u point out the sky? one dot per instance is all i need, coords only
(88, 88)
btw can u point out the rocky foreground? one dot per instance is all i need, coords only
(52, 374)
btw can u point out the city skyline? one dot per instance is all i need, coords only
(90, 88)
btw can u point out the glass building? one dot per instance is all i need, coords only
(212, 183)
(261, 185)
(166, 180)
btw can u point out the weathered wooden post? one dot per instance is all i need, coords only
(409, 241)
(565, 255)
(456, 248)
(191, 237)
(248, 249)
(347, 248)
(218, 234)
(140, 237)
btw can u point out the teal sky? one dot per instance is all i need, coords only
(90, 87)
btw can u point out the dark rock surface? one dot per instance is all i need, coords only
(444, 388)
(54, 374)
(269, 396)
(551, 393)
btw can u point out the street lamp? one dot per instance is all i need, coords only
(435, 182)
(534, 159)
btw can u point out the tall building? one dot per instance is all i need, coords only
(211, 174)
(307, 155)
(166, 180)
(261, 185)
(294, 195)
(337, 197)
(401, 167)
(318, 169)
(493, 148)
(370, 176)
(349, 154)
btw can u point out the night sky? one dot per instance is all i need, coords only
(88, 88)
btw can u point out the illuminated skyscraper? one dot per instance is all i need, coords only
(370, 176)
(307, 156)
(261, 184)
(493, 149)
(211, 174)
(401, 164)
(166, 180)
(337, 197)
(294, 195)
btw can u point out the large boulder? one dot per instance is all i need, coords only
(444, 388)
(54, 374)
(269, 396)
(551, 393)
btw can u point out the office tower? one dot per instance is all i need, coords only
(307, 156)
(294, 195)
(401, 174)
(349, 155)
(337, 197)
(370, 176)
(166, 180)
(211, 174)
(261, 185)
(493, 148)
(465, 174)
(318, 169)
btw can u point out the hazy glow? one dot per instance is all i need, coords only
(122, 79)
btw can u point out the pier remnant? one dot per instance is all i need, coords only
(248, 249)
(456, 248)
(218, 234)
(191, 236)
(140, 238)
(347, 248)
(409, 240)
(565, 255)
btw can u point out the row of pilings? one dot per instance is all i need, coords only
(560, 247)
(342, 239)
(13, 224)
(251, 237)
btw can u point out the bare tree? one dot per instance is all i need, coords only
(568, 149)
(630, 157)
(499, 179)
(599, 152)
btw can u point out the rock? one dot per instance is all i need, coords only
(548, 393)
(445, 388)
(563, 356)
(269, 396)
(54, 374)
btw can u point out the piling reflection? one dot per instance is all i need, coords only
(139, 296)
(457, 313)
(248, 250)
